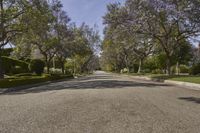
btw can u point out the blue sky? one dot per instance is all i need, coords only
(88, 11)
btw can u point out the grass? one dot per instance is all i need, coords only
(15, 81)
(162, 77)
(182, 78)
(190, 79)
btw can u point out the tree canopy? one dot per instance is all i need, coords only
(145, 28)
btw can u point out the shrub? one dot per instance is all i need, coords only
(184, 69)
(157, 71)
(125, 70)
(20, 81)
(37, 66)
(55, 71)
(147, 71)
(69, 67)
(17, 70)
(195, 69)
(14, 66)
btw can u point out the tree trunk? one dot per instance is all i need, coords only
(177, 68)
(127, 64)
(63, 68)
(48, 66)
(47, 62)
(169, 72)
(140, 66)
(1, 68)
(74, 67)
(54, 65)
(48, 69)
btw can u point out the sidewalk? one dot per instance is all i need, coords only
(187, 85)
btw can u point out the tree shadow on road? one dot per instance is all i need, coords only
(86, 83)
(191, 99)
(94, 77)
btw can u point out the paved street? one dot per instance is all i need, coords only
(101, 103)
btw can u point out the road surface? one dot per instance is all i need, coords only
(101, 103)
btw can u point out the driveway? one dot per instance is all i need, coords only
(101, 103)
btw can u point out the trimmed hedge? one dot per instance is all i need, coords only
(7, 83)
(28, 80)
(37, 66)
(195, 69)
(184, 69)
(157, 71)
(14, 66)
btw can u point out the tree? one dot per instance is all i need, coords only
(41, 27)
(63, 33)
(11, 14)
(169, 22)
(37, 66)
(132, 45)
(166, 22)
(84, 45)
(195, 55)
(22, 50)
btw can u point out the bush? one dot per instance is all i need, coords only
(69, 67)
(13, 66)
(195, 69)
(184, 69)
(147, 70)
(58, 77)
(37, 66)
(55, 71)
(157, 71)
(125, 70)
(7, 83)
(20, 81)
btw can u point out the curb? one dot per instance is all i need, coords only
(191, 86)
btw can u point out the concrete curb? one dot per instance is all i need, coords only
(24, 87)
(191, 86)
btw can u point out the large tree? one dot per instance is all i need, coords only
(11, 16)
(40, 33)
(166, 22)
(170, 22)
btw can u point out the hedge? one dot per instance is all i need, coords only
(14, 66)
(195, 69)
(20, 81)
(37, 66)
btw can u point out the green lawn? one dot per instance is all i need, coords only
(190, 79)
(15, 81)
(187, 79)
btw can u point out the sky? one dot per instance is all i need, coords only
(88, 11)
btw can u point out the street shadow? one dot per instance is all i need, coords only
(88, 82)
(191, 99)
(94, 77)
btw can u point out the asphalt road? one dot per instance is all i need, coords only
(101, 103)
